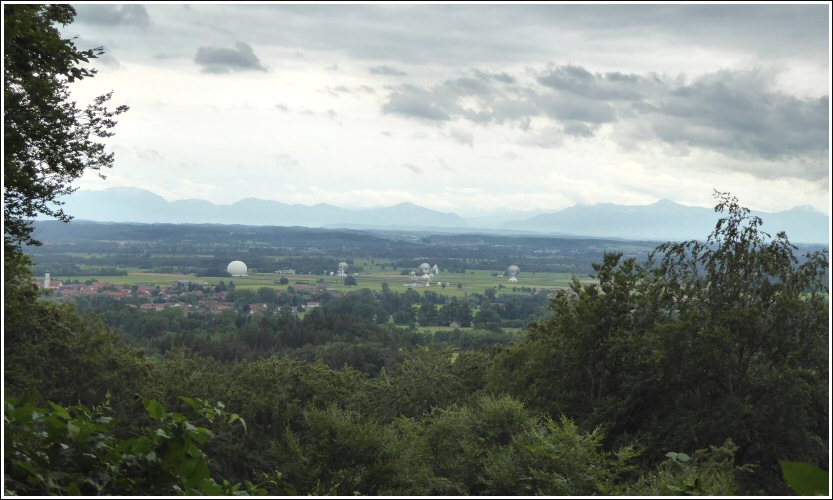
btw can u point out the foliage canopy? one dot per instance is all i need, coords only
(49, 141)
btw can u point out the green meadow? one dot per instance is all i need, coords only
(475, 281)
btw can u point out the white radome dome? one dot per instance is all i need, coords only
(237, 268)
(424, 267)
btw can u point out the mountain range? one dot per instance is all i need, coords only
(663, 220)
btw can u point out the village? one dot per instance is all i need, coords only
(188, 295)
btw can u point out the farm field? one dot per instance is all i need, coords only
(476, 281)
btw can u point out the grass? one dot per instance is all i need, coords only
(475, 281)
(448, 329)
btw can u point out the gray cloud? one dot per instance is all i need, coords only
(414, 102)
(579, 112)
(286, 162)
(548, 137)
(332, 115)
(455, 35)
(461, 136)
(338, 90)
(500, 77)
(149, 155)
(413, 168)
(497, 99)
(444, 166)
(387, 70)
(224, 60)
(168, 55)
(106, 58)
(282, 107)
(113, 15)
(578, 81)
(738, 113)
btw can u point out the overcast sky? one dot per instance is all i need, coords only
(467, 108)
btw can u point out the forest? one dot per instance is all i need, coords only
(695, 368)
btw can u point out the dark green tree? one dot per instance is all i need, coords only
(49, 141)
(486, 318)
(708, 340)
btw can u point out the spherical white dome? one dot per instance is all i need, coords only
(424, 267)
(237, 268)
(512, 270)
(343, 265)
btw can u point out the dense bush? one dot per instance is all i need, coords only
(711, 340)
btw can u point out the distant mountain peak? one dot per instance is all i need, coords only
(127, 204)
(665, 202)
(661, 221)
(665, 220)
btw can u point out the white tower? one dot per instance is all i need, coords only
(435, 270)
(46, 280)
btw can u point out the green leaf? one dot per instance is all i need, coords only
(678, 457)
(191, 402)
(154, 409)
(235, 418)
(73, 489)
(35, 477)
(59, 410)
(805, 479)
(73, 430)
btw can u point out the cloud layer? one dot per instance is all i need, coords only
(114, 15)
(735, 112)
(224, 60)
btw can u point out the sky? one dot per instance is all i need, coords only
(464, 108)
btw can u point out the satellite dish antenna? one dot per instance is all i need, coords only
(513, 271)
(342, 268)
(237, 268)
